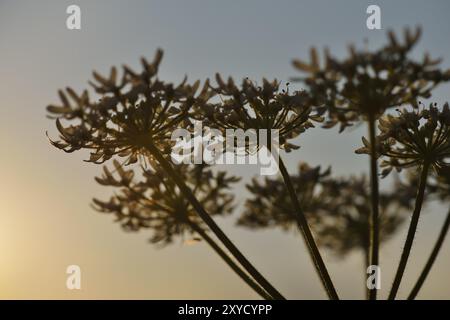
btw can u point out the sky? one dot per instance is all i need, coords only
(46, 222)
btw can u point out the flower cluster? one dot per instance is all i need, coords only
(260, 107)
(337, 209)
(270, 205)
(344, 224)
(368, 83)
(414, 137)
(156, 203)
(137, 110)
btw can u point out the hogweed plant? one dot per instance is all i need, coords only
(154, 202)
(134, 114)
(267, 107)
(134, 119)
(439, 187)
(419, 139)
(338, 209)
(362, 87)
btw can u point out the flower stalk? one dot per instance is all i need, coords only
(374, 215)
(212, 225)
(244, 276)
(411, 231)
(307, 235)
(431, 259)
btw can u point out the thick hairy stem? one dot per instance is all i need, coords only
(212, 225)
(411, 232)
(229, 261)
(307, 235)
(374, 215)
(431, 259)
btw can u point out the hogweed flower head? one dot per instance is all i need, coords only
(137, 110)
(338, 209)
(414, 137)
(343, 222)
(367, 83)
(270, 205)
(255, 107)
(154, 202)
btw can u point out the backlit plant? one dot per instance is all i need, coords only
(338, 209)
(418, 139)
(133, 115)
(362, 87)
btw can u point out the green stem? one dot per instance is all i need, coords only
(431, 259)
(307, 235)
(411, 232)
(374, 214)
(212, 225)
(244, 276)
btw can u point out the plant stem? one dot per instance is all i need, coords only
(244, 276)
(212, 225)
(307, 235)
(431, 259)
(374, 214)
(367, 264)
(411, 231)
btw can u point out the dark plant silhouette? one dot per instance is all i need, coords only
(414, 139)
(267, 107)
(432, 258)
(338, 209)
(250, 106)
(155, 203)
(134, 119)
(362, 87)
(131, 120)
(439, 186)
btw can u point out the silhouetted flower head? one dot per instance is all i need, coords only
(413, 137)
(344, 224)
(337, 209)
(260, 107)
(368, 83)
(154, 202)
(137, 110)
(270, 205)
